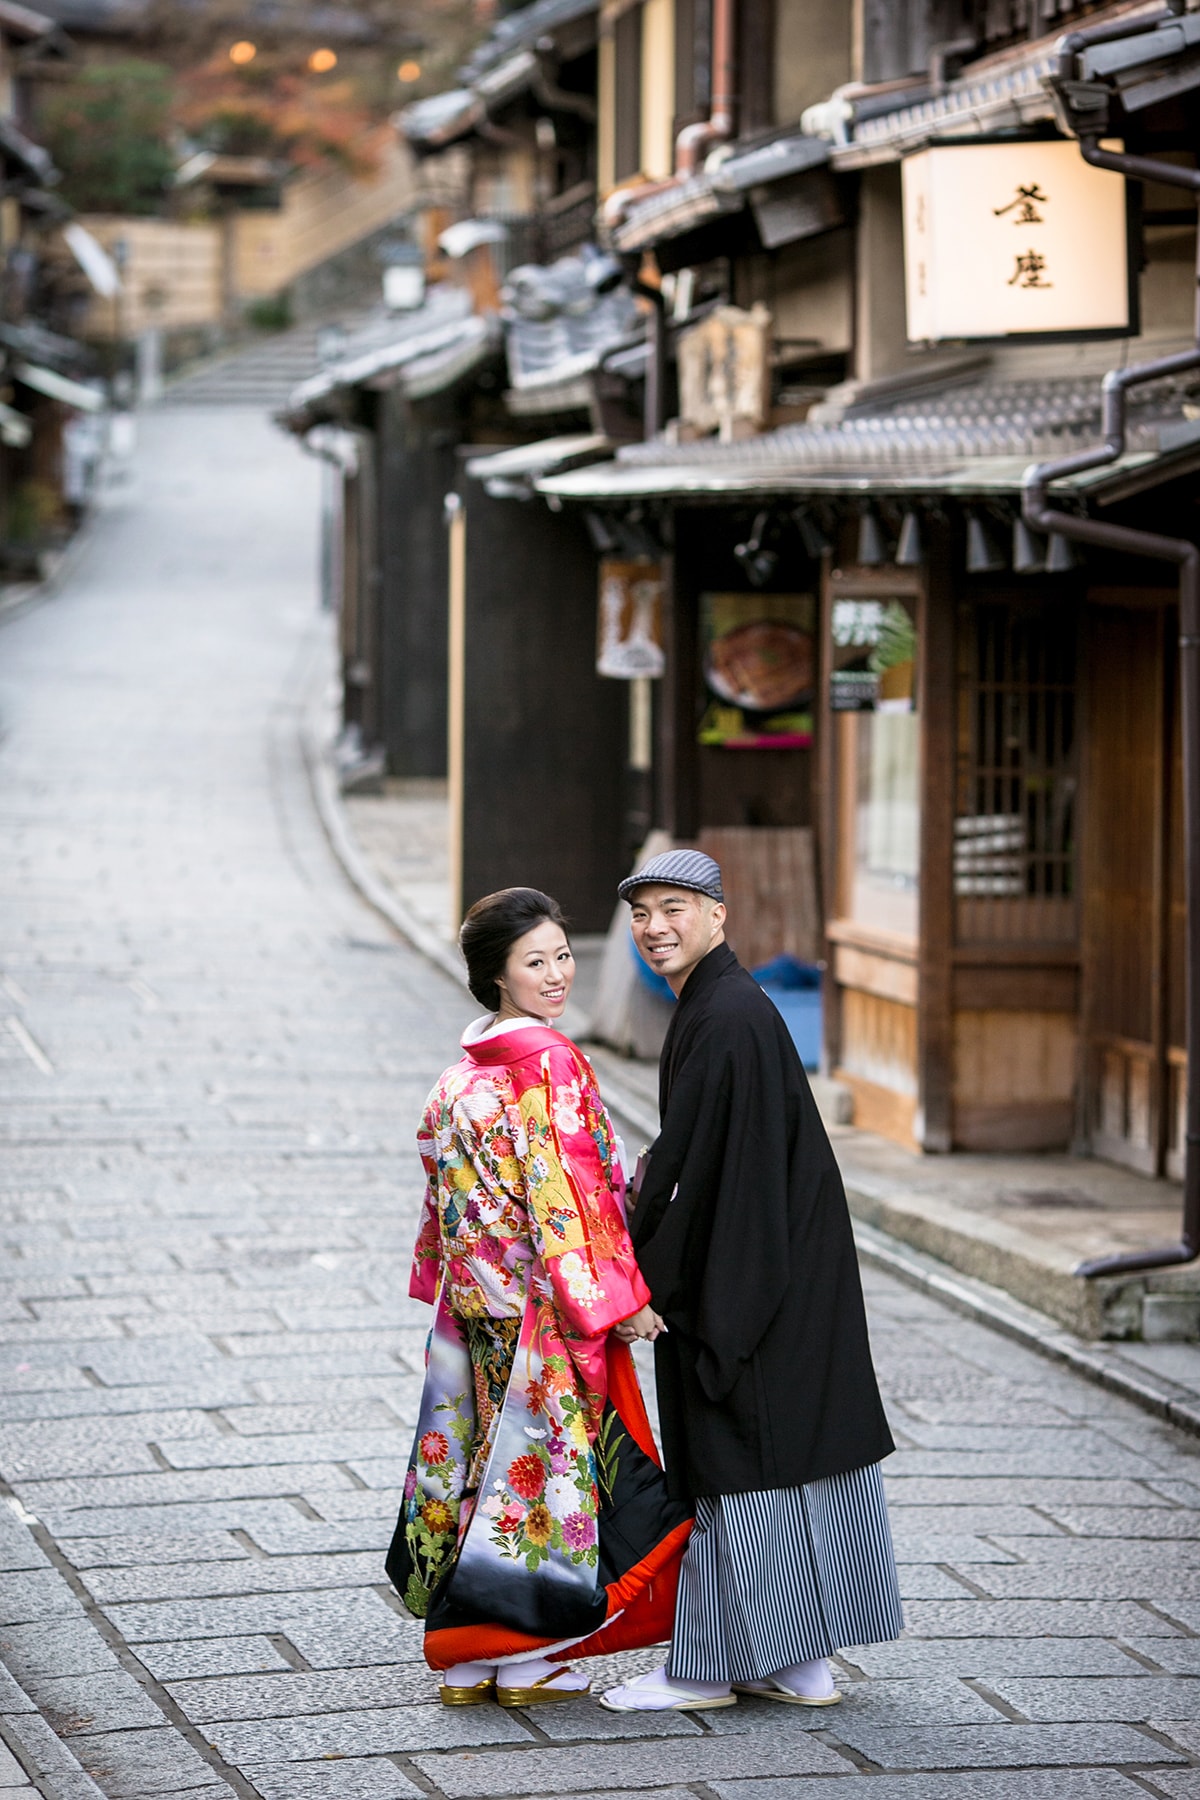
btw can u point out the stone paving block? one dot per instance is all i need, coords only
(1062, 1784)
(949, 1547)
(931, 1700)
(136, 1550)
(221, 1452)
(1177, 1656)
(276, 1575)
(1125, 1522)
(988, 1658)
(1103, 1552)
(310, 1537)
(922, 1581)
(370, 1414)
(349, 1778)
(1001, 1746)
(94, 1702)
(1036, 1618)
(380, 1471)
(11, 1773)
(54, 1647)
(27, 1596)
(59, 1773)
(105, 1403)
(19, 1551)
(1184, 1732)
(320, 1615)
(294, 1694)
(203, 1519)
(1134, 1699)
(154, 1761)
(1186, 1611)
(633, 1765)
(199, 1657)
(1054, 1462)
(584, 1721)
(168, 1485)
(377, 1731)
(1051, 1492)
(1043, 1581)
(1177, 1784)
(129, 1363)
(42, 1449)
(1178, 1492)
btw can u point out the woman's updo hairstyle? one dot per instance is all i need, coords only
(490, 930)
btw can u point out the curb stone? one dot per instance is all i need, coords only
(1097, 1363)
(53, 1770)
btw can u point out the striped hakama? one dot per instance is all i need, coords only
(785, 1576)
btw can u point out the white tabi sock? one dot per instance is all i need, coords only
(812, 1679)
(536, 1668)
(467, 1675)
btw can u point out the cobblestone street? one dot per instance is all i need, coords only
(212, 1059)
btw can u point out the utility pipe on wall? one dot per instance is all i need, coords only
(693, 141)
(1186, 557)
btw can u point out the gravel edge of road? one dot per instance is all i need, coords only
(1097, 1363)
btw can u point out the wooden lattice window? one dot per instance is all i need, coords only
(1015, 811)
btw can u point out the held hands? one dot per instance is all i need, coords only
(642, 1326)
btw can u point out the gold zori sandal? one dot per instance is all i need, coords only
(468, 1696)
(541, 1693)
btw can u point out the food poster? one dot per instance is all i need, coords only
(874, 656)
(759, 659)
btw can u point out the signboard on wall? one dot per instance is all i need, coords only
(759, 663)
(629, 638)
(1014, 239)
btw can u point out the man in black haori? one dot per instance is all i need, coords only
(771, 1418)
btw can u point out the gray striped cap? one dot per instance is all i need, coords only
(678, 868)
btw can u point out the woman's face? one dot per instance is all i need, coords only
(538, 974)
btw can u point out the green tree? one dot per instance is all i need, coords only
(109, 132)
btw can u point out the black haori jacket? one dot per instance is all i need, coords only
(765, 1377)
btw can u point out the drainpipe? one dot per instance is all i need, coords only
(1186, 557)
(654, 410)
(693, 141)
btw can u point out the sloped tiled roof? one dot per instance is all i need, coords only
(976, 436)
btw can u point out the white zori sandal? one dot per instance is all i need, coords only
(656, 1692)
(807, 1684)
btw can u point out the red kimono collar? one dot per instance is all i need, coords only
(522, 1038)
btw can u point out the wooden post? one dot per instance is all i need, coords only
(935, 990)
(457, 519)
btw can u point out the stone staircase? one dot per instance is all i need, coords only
(261, 373)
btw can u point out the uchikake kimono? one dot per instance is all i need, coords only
(535, 1514)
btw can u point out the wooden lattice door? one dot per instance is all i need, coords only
(1133, 859)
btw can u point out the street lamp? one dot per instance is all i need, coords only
(242, 52)
(409, 71)
(321, 61)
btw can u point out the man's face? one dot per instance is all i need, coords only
(674, 929)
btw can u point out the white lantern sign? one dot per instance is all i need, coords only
(1014, 239)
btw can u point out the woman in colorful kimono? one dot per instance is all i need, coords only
(535, 1518)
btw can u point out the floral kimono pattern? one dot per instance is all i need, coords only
(531, 1434)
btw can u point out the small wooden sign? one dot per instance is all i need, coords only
(725, 373)
(629, 638)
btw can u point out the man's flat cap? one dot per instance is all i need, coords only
(677, 868)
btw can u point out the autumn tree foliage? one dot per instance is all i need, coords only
(109, 133)
(273, 110)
